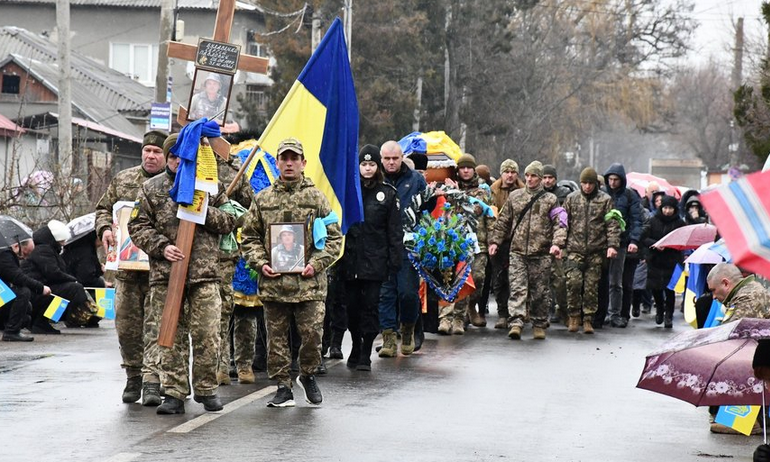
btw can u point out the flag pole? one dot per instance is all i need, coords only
(241, 171)
(764, 413)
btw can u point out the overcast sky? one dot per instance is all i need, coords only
(715, 36)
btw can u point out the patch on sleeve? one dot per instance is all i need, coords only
(135, 211)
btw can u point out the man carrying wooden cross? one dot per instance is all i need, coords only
(153, 228)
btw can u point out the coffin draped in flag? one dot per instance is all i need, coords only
(321, 111)
(741, 211)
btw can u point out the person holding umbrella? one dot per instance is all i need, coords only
(23, 286)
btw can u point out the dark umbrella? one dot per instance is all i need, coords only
(13, 231)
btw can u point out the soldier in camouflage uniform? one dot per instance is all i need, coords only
(245, 325)
(292, 198)
(535, 232)
(140, 360)
(154, 228)
(590, 239)
(743, 297)
(508, 182)
(451, 317)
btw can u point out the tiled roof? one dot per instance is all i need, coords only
(84, 100)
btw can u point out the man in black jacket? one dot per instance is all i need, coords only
(22, 285)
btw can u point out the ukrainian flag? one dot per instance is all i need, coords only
(739, 418)
(105, 302)
(56, 308)
(6, 294)
(696, 286)
(677, 280)
(321, 111)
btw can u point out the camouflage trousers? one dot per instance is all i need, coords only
(244, 335)
(559, 286)
(131, 304)
(226, 271)
(583, 273)
(529, 279)
(457, 310)
(199, 327)
(309, 317)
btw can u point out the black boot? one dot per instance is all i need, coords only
(658, 315)
(133, 390)
(355, 351)
(210, 403)
(16, 337)
(419, 334)
(150, 394)
(335, 350)
(170, 406)
(365, 355)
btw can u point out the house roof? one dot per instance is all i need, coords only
(8, 128)
(110, 86)
(84, 100)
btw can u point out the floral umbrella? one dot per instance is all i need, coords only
(709, 367)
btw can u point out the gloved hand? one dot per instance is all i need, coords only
(762, 453)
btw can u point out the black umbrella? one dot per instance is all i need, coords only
(13, 231)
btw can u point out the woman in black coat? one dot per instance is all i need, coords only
(661, 262)
(373, 250)
(46, 265)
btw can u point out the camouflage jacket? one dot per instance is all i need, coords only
(286, 202)
(243, 194)
(486, 223)
(154, 226)
(748, 299)
(537, 231)
(588, 232)
(500, 194)
(125, 186)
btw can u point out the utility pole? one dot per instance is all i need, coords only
(166, 31)
(65, 90)
(315, 34)
(347, 22)
(737, 79)
(418, 106)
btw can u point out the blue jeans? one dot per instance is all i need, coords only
(399, 297)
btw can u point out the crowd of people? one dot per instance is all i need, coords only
(549, 252)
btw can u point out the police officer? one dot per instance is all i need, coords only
(292, 198)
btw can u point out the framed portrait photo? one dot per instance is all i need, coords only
(210, 96)
(287, 247)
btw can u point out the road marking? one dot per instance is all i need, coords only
(201, 420)
(124, 457)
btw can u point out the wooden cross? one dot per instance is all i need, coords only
(186, 232)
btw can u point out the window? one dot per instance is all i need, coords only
(255, 48)
(138, 61)
(11, 84)
(256, 97)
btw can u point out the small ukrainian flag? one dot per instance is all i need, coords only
(105, 302)
(6, 294)
(739, 418)
(56, 309)
(677, 280)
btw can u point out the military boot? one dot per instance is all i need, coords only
(515, 332)
(475, 317)
(223, 378)
(246, 375)
(588, 327)
(150, 394)
(458, 326)
(389, 346)
(407, 339)
(574, 324)
(133, 390)
(502, 323)
(538, 333)
(445, 326)
(335, 350)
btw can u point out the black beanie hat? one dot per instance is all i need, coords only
(371, 153)
(549, 169)
(669, 201)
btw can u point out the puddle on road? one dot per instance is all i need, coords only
(13, 362)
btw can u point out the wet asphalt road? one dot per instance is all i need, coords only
(477, 397)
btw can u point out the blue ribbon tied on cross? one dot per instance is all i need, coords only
(319, 229)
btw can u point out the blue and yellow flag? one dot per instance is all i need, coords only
(105, 302)
(696, 286)
(677, 280)
(56, 308)
(6, 294)
(739, 418)
(321, 111)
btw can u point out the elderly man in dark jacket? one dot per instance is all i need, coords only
(22, 286)
(621, 275)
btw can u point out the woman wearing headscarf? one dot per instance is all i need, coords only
(373, 250)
